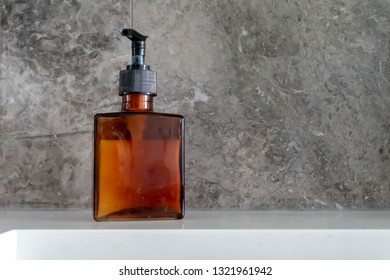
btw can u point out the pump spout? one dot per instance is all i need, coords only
(138, 45)
(137, 78)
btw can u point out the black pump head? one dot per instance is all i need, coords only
(138, 45)
(137, 78)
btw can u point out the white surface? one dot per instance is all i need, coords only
(196, 244)
(201, 235)
(203, 220)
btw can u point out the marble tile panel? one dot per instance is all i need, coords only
(286, 102)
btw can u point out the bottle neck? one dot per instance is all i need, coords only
(137, 102)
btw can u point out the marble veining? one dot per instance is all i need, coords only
(286, 102)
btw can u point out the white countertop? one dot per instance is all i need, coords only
(200, 235)
(82, 219)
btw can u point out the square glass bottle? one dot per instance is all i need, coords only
(138, 154)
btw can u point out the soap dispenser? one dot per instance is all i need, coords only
(138, 153)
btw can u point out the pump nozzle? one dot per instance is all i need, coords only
(137, 78)
(138, 45)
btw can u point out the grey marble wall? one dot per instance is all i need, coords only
(287, 102)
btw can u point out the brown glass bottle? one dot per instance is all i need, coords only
(139, 162)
